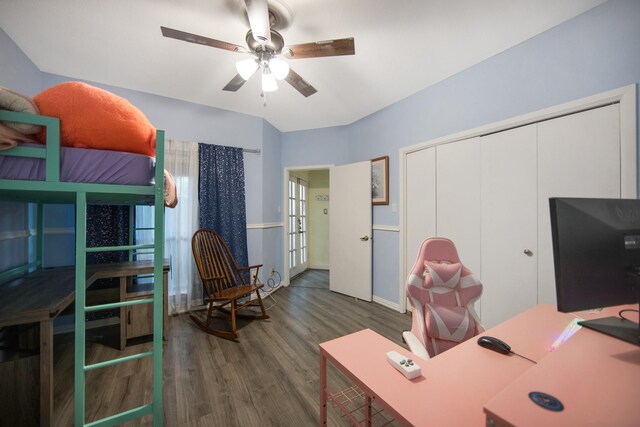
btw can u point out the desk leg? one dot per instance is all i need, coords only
(323, 389)
(46, 373)
(367, 408)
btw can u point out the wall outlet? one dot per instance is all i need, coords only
(273, 271)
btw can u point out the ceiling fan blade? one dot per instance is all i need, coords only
(300, 84)
(235, 84)
(258, 14)
(320, 49)
(194, 38)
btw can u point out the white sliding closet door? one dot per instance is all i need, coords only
(420, 216)
(578, 156)
(509, 217)
(489, 191)
(458, 198)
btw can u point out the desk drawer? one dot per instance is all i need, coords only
(139, 319)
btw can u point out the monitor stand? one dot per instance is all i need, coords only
(623, 329)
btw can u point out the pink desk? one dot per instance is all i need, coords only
(596, 377)
(454, 386)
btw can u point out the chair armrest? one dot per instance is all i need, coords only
(250, 267)
(255, 276)
(415, 345)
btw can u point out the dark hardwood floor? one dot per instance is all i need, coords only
(269, 378)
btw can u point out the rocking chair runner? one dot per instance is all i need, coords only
(224, 282)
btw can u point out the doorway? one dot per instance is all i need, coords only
(306, 226)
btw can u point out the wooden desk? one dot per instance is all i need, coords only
(125, 270)
(455, 385)
(40, 296)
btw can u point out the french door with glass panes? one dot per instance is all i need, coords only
(298, 256)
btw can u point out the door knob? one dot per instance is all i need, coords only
(364, 238)
(527, 252)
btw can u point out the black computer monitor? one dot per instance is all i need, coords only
(596, 251)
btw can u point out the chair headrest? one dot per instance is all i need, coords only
(440, 249)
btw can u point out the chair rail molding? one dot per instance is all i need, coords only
(21, 234)
(264, 225)
(391, 228)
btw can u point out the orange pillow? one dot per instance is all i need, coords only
(95, 118)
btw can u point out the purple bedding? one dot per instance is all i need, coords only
(84, 165)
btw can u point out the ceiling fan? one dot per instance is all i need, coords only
(266, 47)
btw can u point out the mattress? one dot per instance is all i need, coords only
(84, 165)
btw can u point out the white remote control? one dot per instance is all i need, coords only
(407, 366)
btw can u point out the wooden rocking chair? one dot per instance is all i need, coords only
(224, 282)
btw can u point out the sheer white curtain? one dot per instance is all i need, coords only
(181, 160)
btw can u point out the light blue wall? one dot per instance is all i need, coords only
(594, 52)
(316, 147)
(14, 245)
(18, 73)
(272, 199)
(265, 244)
(272, 182)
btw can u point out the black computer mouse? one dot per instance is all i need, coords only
(494, 344)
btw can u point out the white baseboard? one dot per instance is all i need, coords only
(319, 266)
(388, 304)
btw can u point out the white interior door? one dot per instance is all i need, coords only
(350, 241)
(509, 218)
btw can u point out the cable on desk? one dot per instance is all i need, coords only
(627, 310)
(524, 357)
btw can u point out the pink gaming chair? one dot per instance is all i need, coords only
(441, 292)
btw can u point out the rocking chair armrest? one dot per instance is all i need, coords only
(249, 268)
(257, 266)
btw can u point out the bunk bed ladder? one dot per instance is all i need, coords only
(154, 408)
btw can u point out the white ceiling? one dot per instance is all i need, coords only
(402, 47)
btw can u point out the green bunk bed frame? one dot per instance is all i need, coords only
(52, 190)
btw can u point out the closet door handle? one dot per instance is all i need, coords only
(527, 252)
(364, 238)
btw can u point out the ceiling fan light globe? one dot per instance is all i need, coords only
(269, 82)
(279, 68)
(246, 68)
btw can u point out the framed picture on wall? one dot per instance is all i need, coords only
(380, 180)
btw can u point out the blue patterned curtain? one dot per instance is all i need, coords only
(106, 226)
(221, 196)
